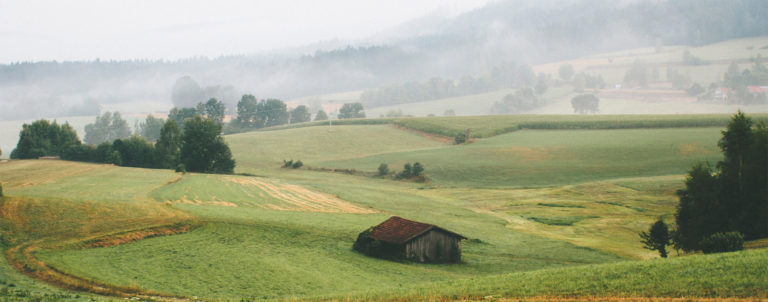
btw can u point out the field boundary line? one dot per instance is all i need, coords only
(21, 257)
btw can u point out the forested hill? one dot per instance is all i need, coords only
(476, 42)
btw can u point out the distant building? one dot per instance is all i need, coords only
(399, 238)
(758, 89)
(721, 94)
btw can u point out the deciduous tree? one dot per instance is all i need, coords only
(203, 148)
(351, 110)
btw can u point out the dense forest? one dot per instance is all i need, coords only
(468, 45)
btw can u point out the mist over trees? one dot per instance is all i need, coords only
(351, 110)
(475, 42)
(107, 127)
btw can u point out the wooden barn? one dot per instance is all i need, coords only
(399, 238)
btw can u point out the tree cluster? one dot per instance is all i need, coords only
(522, 100)
(43, 138)
(199, 147)
(292, 164)
(732, 196)
(585, 103)
(410, 171)
(351, 110)
(107, 127)
(252, 113)
(505, 76)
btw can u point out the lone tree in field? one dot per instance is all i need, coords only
(203, 149)
(351, 110)
(657, 238)
(585, 103)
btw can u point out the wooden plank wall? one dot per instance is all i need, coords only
(434, 246)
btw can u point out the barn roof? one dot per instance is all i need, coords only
(400, 230)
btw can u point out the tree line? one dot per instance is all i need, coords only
(196, 147)
(504, 76)
(723, 205)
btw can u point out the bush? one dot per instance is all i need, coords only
(406, 173)
(722, 242)
(460, 138)
(287, 164)
(292, 164)
(297, 164)
(417, 169)
(181, 168)
(383, 169)
(1, 190)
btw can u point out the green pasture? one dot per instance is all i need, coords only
(736, 274)
(252, 252)
(554, 157)
(538, 197)
(492, 125)
(256, 151)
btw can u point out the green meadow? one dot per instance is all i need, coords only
(550, 207)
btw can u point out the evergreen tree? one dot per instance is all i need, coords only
(657, 238)
(733, 197)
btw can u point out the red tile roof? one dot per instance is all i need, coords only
(400, 230)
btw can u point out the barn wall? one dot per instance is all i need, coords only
(434, 246)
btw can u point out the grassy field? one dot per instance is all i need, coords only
(554, 157)
(536, 205)
(738, 274)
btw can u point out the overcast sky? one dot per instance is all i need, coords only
(170, 29)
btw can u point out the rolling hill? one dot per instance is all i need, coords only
(535, 205)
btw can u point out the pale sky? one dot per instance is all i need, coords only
(35, 30)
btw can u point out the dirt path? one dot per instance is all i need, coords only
(22, 258)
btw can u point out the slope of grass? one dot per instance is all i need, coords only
(492, 125)
(549, 158)
(258, 150)
(737, 274)
(248, 251)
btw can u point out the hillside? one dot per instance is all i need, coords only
(534, 204)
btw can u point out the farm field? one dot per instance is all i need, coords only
(534, 204)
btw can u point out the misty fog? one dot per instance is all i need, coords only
(501, 46)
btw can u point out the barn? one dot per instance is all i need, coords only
(399, 238)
